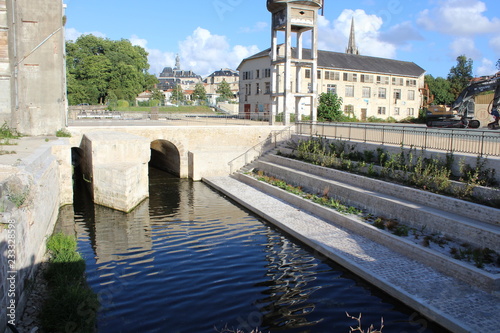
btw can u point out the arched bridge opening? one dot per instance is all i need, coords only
(165, 156)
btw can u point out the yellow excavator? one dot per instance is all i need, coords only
(461, 113)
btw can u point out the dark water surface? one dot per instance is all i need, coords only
(189, 260)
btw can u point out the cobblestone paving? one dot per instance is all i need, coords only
(448, 301)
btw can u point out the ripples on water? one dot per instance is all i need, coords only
(189, 260)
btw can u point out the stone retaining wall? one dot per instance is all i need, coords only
(30, 199)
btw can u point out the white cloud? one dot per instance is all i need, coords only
(73, 34)
(204, 52)
(495, 44)
(486, 67)
(464, 46)
(157, 59)
(258, 27)
(458, 18)
(334, 36)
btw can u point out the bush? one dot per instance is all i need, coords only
(122, 104)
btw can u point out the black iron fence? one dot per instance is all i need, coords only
(468, 141)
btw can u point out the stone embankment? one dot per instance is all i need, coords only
(459, 296)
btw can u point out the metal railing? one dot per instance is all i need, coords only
(468, 141)
(261, 148)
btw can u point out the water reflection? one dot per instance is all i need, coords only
(187, 260)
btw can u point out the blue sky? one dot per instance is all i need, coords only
(213, 34)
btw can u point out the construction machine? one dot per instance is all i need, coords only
(461, 113)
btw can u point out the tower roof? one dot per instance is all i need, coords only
(351, 47)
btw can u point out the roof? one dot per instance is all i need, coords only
(354, 62)
(224, 72)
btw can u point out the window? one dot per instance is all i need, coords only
(411, 111)
(310, 87)
(257, 88)
(268, 88)
(382, 79)
(308, 73)
(349, 109)
(411, 83)
(411, 95)
(248, 75)
(248, 89)
(367, 91)
(350, 77)
(319, 74)
(397, 94)
(349, 91)
(381, 110)
(331, 88)
(267, 72)
(366, 78)
(329, 75)
(396, 111)
(257, 74)
(382, 93)
(396, 81)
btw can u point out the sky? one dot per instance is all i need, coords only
(212, 34)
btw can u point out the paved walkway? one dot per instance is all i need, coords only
(450, 302)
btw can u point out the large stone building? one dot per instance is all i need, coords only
(368, 86)
(170, 77)
(213, 81)
(32, 69)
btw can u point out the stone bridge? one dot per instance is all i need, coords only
(115, 159)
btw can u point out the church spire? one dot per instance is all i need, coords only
(352, 48)
(177, 62)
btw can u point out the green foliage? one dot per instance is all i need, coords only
(199, 93)
(122, 104)
(157, 95)
(63, 133)
(224, 91)
(498, 64)
(8, 133)
(71, 305)
(177, 95)
(441, 89)
(97, 66)
(460, 75)
(329, 108)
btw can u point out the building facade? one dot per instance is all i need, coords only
(32, 66)
(213, 81)
(368, 86)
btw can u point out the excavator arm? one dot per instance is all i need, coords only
(475, 88)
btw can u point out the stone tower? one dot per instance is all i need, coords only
(352, 48)
(33, 72)
(177, 62)
(293, 17)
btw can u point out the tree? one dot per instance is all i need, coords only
(441, 89)
(98, 68)
(460, 75)
(157, 96)
(199, 93)
(177, 94)
(329, 108)
(498, 64)
(224, 91)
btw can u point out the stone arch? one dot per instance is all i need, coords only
(166, 156)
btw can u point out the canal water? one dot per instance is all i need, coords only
(190, 260)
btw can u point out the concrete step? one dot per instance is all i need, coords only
(377, 202)
(457, 305)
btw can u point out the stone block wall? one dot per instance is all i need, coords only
(30, 199)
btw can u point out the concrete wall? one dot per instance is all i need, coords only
(32, 66)
(30, 197)
(116, 166)
(5, 74)
(211, 148)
